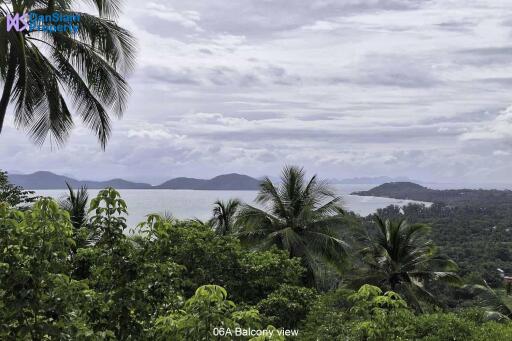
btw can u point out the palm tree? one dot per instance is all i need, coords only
(224, 214)
(298, 216)
(496, 306)
(76, 204)
(401, 258)
(38, 68)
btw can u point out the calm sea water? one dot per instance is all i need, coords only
(186, 204)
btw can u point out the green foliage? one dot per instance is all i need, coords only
(263, 272)
(117, 286)
(287, 306)
(108, 222)
(38, 300)
(133, 285)
(379, 316)
(493, 331)
(210, 258)
(434, 326)
(323, 319)
(207, 257)
(208, 309)
(370, 314)
(15, 196)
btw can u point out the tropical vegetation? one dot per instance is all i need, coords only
(14, 195)
(224, 216)
(295, 265)
(300, 216)
(400, 257)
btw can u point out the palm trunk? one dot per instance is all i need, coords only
(6, 95)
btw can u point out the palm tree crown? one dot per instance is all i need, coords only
(400, 257)
(224, 213)
(76, 205)
(298, 216)
(38, 68)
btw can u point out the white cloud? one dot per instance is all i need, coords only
(188, 19)
(498, 129)
(501, 153)
(322, 25)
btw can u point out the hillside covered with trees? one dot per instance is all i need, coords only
(453, 197)
(473, 227)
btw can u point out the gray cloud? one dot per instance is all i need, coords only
(219, 76)
(462, 26)
(486, 55)
(258, 18)
(396, 70)
(503, 81)
(163, 74)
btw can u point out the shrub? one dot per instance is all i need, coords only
(203, 315)
(287, 306)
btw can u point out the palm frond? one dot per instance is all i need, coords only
(107, 8)
(224, 216)
(76, 204)
(491, 300)
(89, 67)
(405, 258)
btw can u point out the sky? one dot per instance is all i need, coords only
(345, 88)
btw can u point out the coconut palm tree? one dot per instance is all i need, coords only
(76, 204)
(400, 257)
(43, 71)
(224, 214)
(302, 217)
(495, 304)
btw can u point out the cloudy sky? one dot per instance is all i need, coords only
(344, 87)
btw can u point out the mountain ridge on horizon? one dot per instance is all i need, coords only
(230, 181)
(45, 180)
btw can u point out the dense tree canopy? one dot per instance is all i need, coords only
(12, 194)
(478, 239)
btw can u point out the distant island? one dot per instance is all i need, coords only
(226, 182)
(47, 180)
(454, 197)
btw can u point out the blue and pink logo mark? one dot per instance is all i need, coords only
(55, 22)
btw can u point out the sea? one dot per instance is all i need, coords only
(189, 204)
